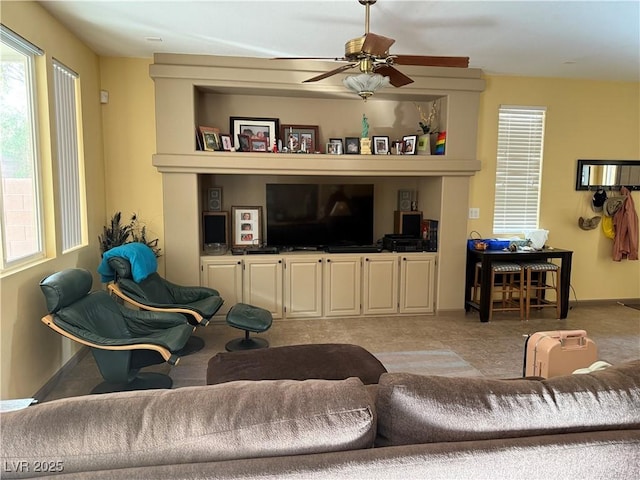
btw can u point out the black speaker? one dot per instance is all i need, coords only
(408, 223)
(215, 227)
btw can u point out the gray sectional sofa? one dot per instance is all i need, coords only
(405, 427)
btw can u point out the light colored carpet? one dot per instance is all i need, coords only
(428, 362)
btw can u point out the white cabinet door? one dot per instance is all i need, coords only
(263, 283)
(380, 284)
(342, 280)
(417, 273)
(303, 286)
(225, 275)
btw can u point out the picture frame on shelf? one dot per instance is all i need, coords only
(246, 226)
(244, 143)
(300, 138)
(226, 142)
(352, 145)
(258, 145)
(380, 145)
(258, 128)
(337, 141)
(409, 142)
(334, 148)
(210, 139)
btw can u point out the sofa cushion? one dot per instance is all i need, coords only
(424, 409)
(192, 424)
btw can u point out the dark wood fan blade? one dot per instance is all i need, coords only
(342, 68)
(376, 45)
(341, 59)
(426, 61)
(396, 77)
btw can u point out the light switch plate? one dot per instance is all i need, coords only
(474, 213)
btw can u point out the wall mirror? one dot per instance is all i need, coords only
(609, 174)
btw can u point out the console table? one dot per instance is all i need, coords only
(487, 257)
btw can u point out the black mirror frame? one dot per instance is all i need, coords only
(583, 163)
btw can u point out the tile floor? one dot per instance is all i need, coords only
(495, 348)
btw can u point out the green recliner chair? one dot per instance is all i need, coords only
(122, 340)
(197, 304)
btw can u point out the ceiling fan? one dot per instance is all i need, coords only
(370, 53)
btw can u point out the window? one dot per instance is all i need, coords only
(70, 193)
(22, 223)
(519, 167)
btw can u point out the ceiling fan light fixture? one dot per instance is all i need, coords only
(365, 84)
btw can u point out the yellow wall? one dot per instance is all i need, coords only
(133, 184)
(30, 352)
(585, 120)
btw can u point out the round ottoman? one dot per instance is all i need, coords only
(250, 319)
(328, 361)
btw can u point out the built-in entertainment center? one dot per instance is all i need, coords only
(208, 90)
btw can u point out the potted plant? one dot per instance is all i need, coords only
(427, 125)
(117, 233)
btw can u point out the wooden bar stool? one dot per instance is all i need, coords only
(536, 275)
(509, 278)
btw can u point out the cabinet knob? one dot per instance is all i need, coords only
(328, 260)
(366, 259)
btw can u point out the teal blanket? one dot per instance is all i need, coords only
(142, 259)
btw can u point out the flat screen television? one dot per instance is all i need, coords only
(319, 215)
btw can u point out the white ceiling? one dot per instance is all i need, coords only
(572, 39)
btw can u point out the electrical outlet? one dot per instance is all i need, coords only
(474, 213)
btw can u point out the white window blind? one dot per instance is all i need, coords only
(21, 222)
(69, 168)
(519, 167)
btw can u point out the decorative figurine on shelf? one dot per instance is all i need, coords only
(365, 143)
(274, 149)
(365, 127)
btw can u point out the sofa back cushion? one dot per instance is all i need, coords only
(235, 420)
(424, 409)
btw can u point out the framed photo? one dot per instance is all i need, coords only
(246, 226)
(397, 147)
(410, 142)
(336, 141)
(258, 145)
(351, 145)
(300, 138)
(244, 143)
(334, 148)
(257, 128)
(210, 139)
(226, 142)
(380, 145)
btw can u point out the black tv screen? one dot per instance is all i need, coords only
(319, 215)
